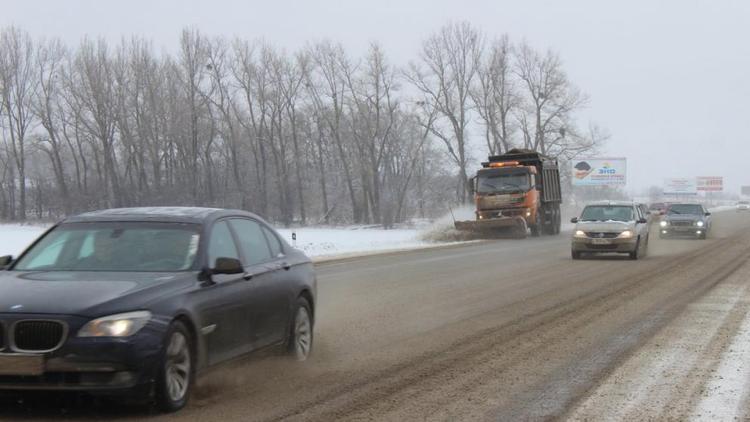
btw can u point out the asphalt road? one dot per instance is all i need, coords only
(503, 330)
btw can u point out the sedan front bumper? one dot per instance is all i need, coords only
(94, 364)
(588, 244)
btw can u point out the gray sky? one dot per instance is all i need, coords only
(668, 79)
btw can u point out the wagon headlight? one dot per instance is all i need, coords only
(627, 234)
(120, 325)
(663, 223)
(699, 224)
(580, 233)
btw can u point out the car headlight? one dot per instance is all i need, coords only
(627, 234)
(580, 233)
(699, 224)
(663, 223)
(120, 325)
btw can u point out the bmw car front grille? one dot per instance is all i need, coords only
(38, 336)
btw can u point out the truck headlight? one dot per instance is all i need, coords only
(699, 224)
(627, 234)
(579, 233)
(120, 325)
(663, 223)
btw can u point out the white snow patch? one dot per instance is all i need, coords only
(725, 392)
(315, 241)
(14, 238)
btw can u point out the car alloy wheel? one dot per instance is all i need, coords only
(178, 367)
(302, 334)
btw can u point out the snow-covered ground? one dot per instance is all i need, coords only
(315, 242)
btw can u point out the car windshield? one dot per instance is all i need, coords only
(116, 246)
(690, 209)
(607, 213)
(503, 182)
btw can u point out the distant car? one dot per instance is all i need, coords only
(137, 301)
(687, 220)
(613, 226)
(657, 208)
(743, 206)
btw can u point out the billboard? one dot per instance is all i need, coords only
(599, 171)
(710, 184)
(680, 186)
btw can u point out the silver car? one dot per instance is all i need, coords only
(612, 226)
(687, 220)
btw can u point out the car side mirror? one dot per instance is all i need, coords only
(5, 261)
(470, 185)
(574, 220)
(707, 214)
(227, 266)
(642, 221)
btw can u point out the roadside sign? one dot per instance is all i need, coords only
(599, 172)
(710, 184)
(680, 186)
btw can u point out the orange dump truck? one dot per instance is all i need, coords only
(519, 190)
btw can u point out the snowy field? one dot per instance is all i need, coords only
(315, 242)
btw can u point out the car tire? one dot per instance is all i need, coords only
(575, 255)
(300, 342)
(637, 251)
(176, 374)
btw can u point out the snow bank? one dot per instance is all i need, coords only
(14, 238)
(315, 242)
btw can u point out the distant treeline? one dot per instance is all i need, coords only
(313, 136)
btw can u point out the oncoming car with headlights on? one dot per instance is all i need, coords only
(138, 301)
(612, 226)
(688, 220)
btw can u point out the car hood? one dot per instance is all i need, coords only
(604, 226)
(84, 293)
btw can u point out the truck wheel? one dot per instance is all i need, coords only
(538, 226)
(557, 221)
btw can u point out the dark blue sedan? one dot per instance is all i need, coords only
(139, 300)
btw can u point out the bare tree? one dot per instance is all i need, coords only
(495, 95)
(450, 60)
(550, 100)
(19, 84)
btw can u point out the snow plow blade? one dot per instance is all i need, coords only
(516, 224)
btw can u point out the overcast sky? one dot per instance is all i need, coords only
(668, 80)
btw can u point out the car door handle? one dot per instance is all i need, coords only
(247, 276)
(285, 266)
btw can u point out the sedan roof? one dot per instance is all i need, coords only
(196, 215)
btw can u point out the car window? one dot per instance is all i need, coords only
(252, 241)
(274, 242)
(221, 244)
(114, 246)
(607, 213)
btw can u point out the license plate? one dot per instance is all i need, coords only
(21, 364)
(600, 241)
